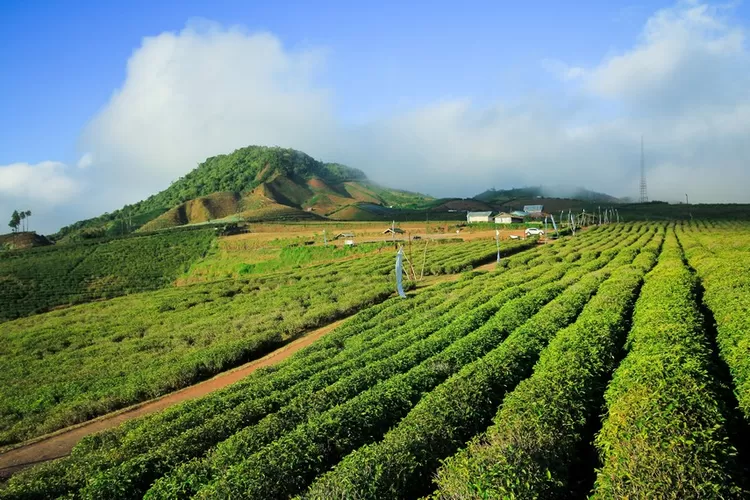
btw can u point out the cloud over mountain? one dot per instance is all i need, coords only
(209, 89)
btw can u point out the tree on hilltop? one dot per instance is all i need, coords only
(15, 220)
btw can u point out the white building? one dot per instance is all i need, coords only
(478, 217)
(533, 209)
(504, 218)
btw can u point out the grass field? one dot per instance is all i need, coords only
(612, 364)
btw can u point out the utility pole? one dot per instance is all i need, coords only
(399, 271)
(644, 192)
(497, 242)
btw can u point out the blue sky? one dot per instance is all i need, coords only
(68, 57)
(384, 87)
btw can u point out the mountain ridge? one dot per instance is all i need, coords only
(261, 183)
(254, 182)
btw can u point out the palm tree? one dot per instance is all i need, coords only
(22, 216)
(28, 216)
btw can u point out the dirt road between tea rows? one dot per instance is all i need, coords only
(60, 443)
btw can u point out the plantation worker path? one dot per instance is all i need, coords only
(60, 443)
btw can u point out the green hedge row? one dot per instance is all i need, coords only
(530, 448)
(142, 469)
(401, 465)
(274, 425)
(72, 475)
(347, 376)
(725, 276)
(449, 259)
(333, 340)
(119, 446)
(310, 448)
(665, 435)
(112, 447)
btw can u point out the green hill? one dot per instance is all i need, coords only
(254, 183)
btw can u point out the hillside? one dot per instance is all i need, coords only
(22, 240)
(507, 196)
(461, 205)
(255, 183)
(40, 279)
(266, 184)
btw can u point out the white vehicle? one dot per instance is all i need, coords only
(534, 231)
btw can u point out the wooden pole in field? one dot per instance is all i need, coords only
(399, 270)
(497, 242)
(413, 273)
(424, 259)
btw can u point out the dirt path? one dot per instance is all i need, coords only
(60, 443)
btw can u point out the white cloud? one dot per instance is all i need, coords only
(563, 71)
(686, 55)
(684, 85)
(86, 160)
(201, 92)
(46, 188)
(46, 183)
(206, 90)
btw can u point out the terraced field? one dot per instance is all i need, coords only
(610, 364)
(37, 280)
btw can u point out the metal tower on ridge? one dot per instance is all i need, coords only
(644, 192)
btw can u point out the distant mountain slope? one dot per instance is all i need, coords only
(251, 183)
(259, 183)
(460, 205)
(503, 196)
